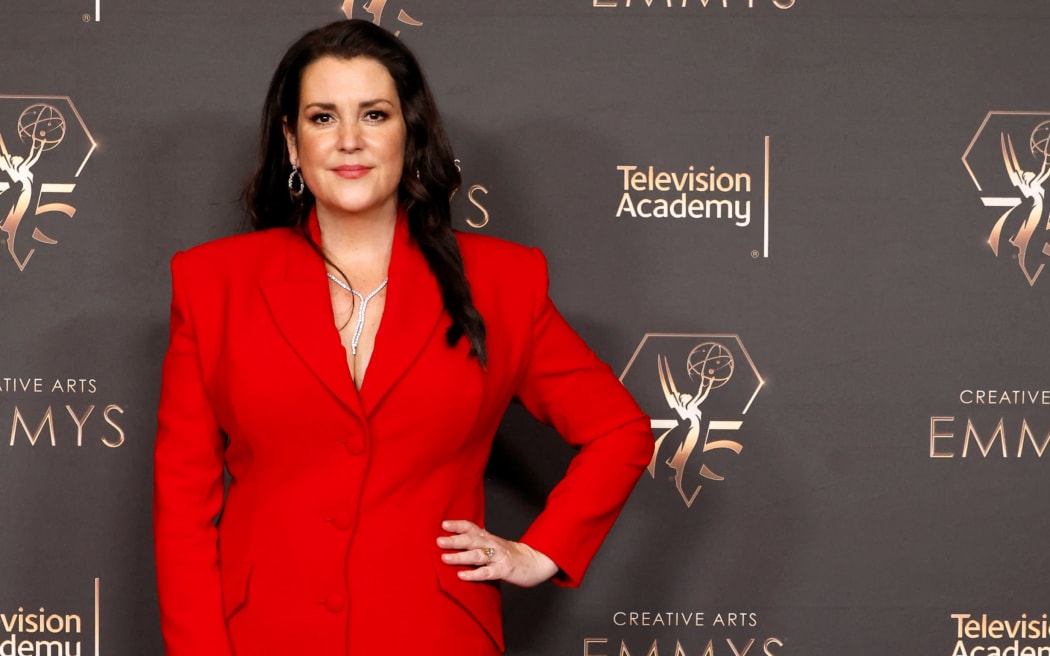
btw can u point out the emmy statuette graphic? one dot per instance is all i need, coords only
(1030, 184)
(710, 365)
(41, 127)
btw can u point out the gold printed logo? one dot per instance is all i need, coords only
(38, 170)
(1009, 162)
(478, 215)
(730, 193)
(395, 14)
(40, 629)
(697, 389)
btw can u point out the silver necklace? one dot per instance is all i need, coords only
(361, 311)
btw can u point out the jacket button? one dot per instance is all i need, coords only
(341, 520)
(335, 602)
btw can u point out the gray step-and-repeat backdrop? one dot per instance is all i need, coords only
(824, 219)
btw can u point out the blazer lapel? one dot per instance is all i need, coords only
(301, 307)
(410, 317)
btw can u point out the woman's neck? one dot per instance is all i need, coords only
(359, 245)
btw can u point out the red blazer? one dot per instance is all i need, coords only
(326, 541)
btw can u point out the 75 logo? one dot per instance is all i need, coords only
(47, 147)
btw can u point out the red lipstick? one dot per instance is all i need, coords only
(352, 171)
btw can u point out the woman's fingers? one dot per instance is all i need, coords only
(486, 573)
(476, 557)
(465, 535)
(477, 546)
(460, 526)
(492, 557)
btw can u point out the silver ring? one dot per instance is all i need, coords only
(490, 553)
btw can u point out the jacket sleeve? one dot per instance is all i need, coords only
(187, 493)
(566, 386)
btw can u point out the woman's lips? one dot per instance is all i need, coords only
(352, 171)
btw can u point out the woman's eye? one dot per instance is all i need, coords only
(321, 118)
(375, 115)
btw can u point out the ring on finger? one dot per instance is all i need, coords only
(489, 552)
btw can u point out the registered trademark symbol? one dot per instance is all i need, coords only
(754, 254)
(86, 18)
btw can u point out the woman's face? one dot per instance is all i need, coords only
(349, 139)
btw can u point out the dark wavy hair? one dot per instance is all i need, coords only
(428, 181)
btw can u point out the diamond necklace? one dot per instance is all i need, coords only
(361, 311)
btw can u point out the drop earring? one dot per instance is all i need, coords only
(296, 183)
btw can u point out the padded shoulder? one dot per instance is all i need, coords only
(241, 250)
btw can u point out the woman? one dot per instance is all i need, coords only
(348, 364)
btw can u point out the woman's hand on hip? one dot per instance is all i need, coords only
(492, 557)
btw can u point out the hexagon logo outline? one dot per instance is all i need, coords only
(689, 426)
(1008, 160)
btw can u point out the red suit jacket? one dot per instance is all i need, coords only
(326, 540)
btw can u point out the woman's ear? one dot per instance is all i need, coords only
(289, 140)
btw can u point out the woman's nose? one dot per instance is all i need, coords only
(349, 136)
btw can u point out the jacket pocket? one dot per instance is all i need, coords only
(235, 578)
(481, 600)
